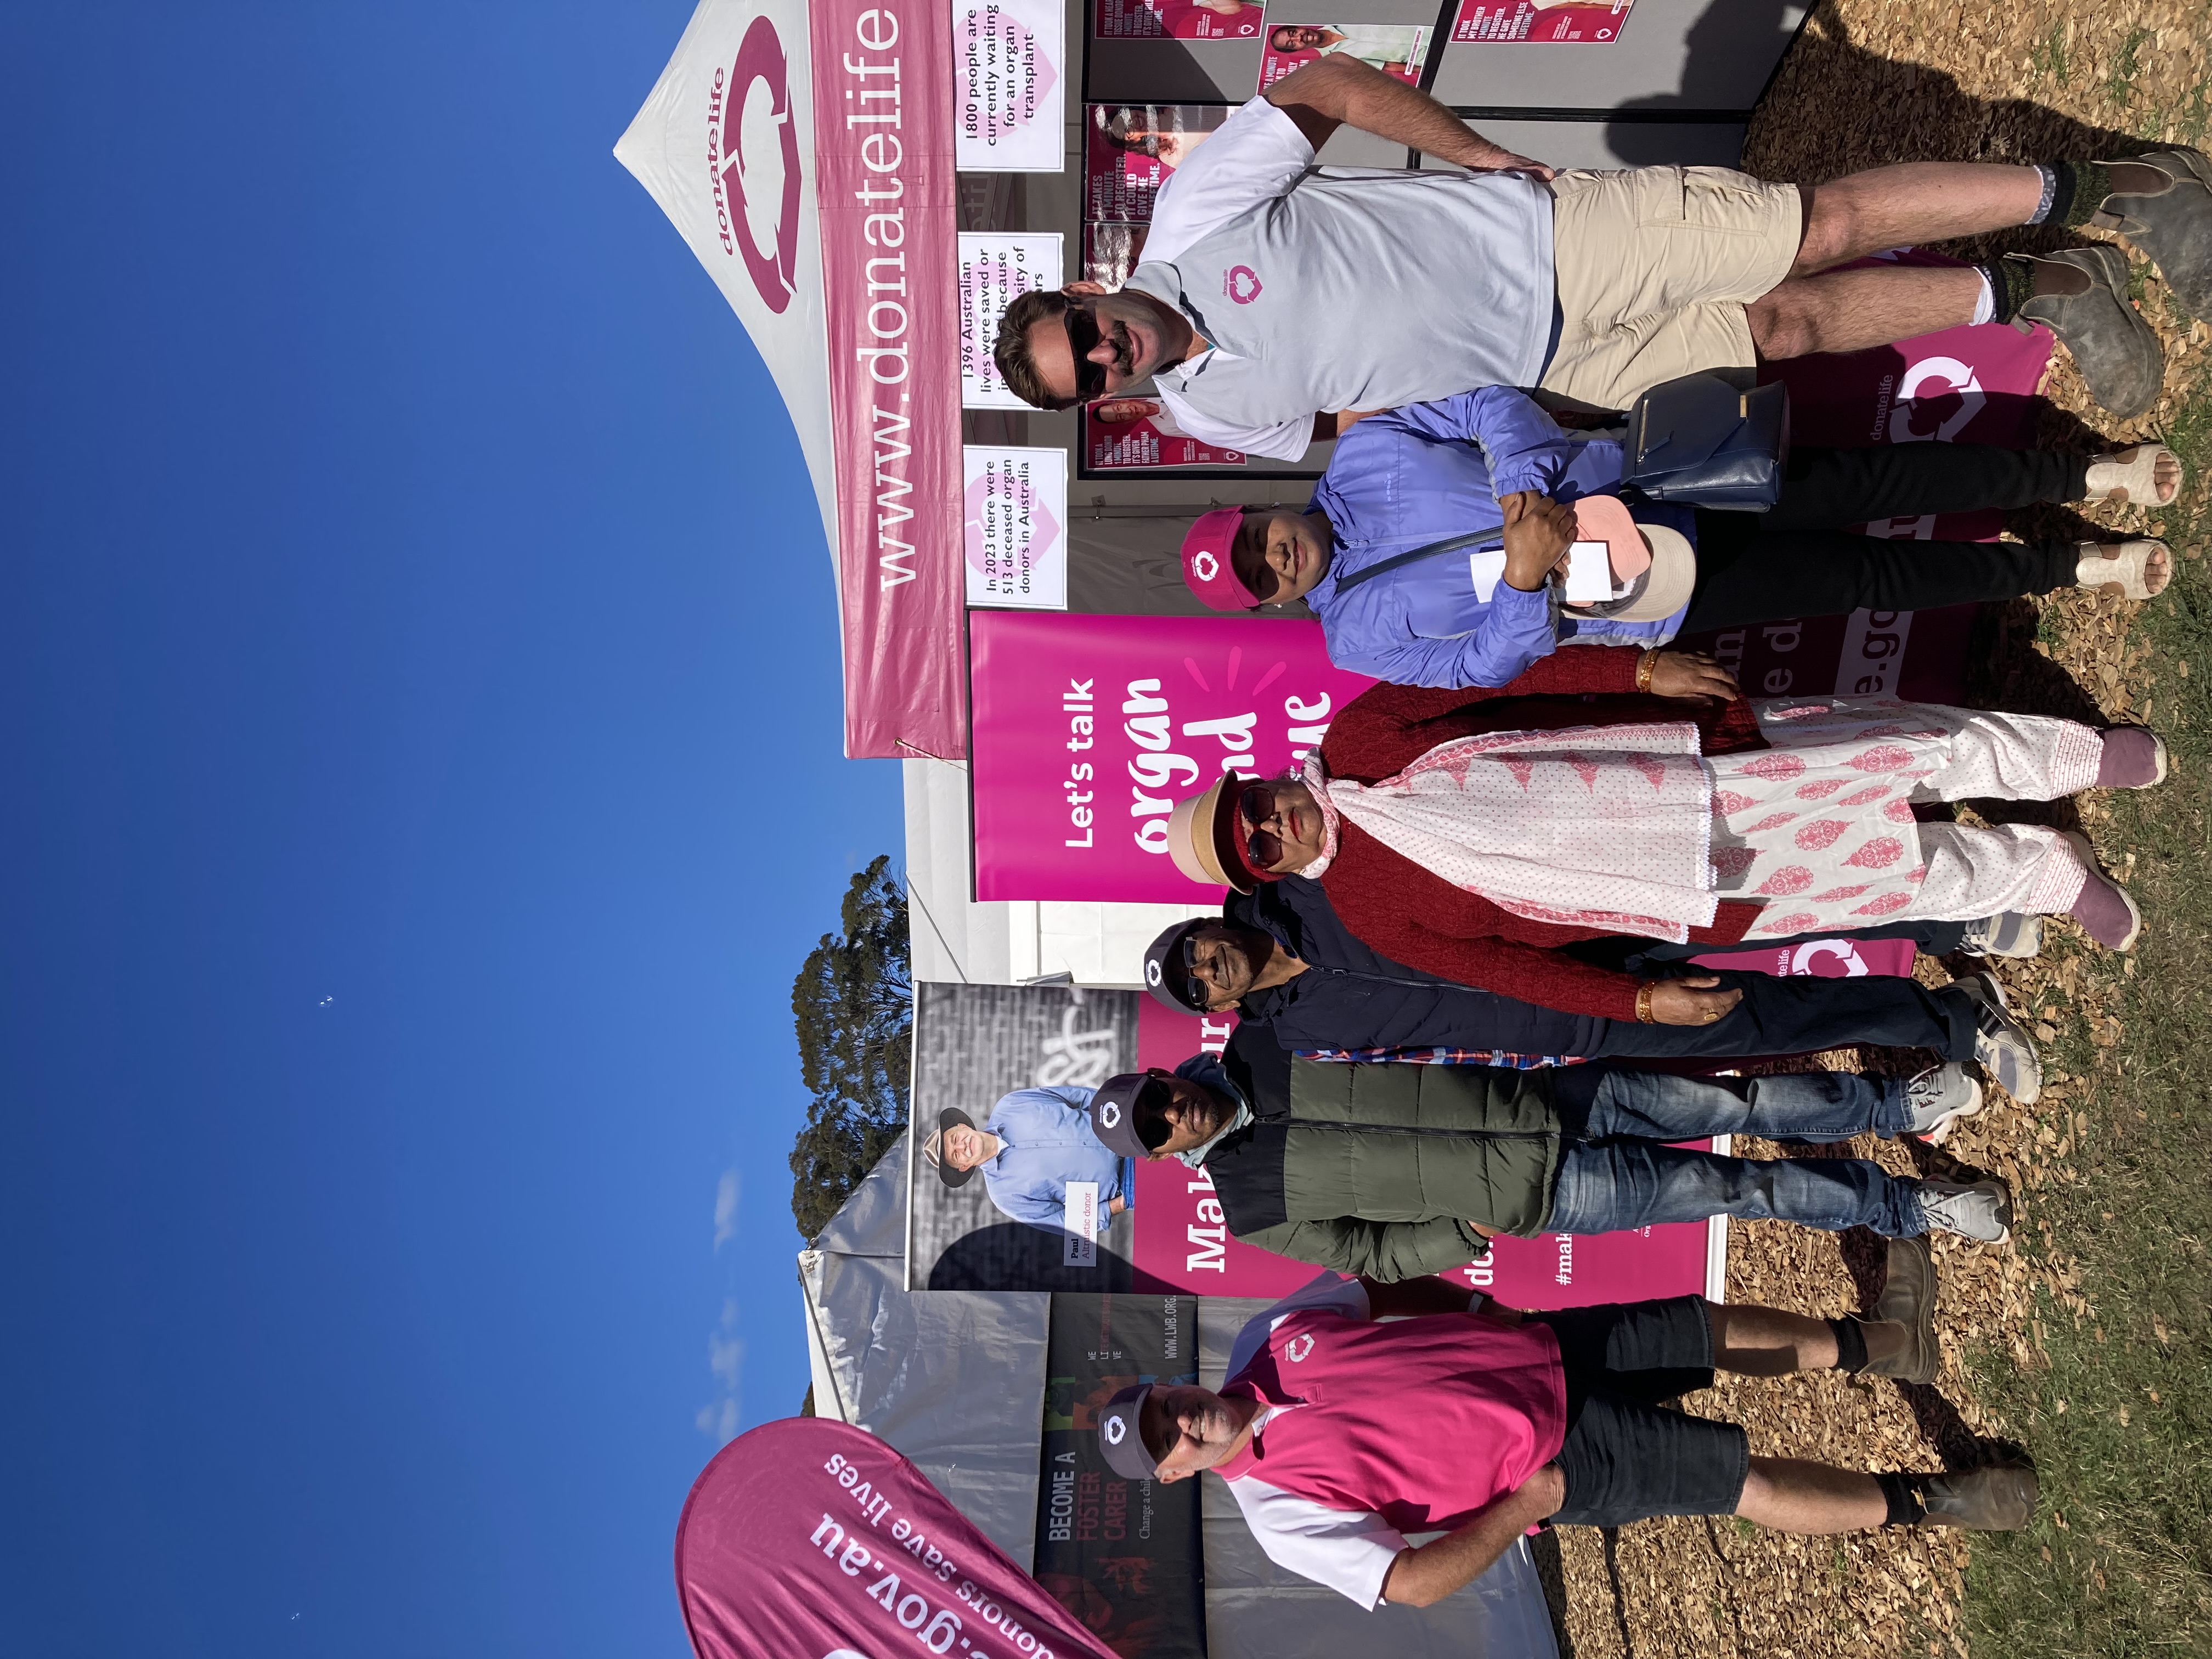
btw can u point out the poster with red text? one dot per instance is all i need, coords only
(1175, 20)
(1549, 21)
(1087, 730)
(1111, 253)
(1130, 150)
(1126, 435)
(1399, 49)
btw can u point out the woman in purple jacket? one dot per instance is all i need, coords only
(1493, 461)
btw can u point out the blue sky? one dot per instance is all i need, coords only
(418, 688)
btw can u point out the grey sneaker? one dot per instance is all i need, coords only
(2172, 228)
(2119, 357)
(1981, 1211)
(1939, 1097)
(1908, 1299)
(2002, 1047)
(2009, 934)
(2000, 1498)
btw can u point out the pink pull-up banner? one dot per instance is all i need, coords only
(806, 1538)
(1088, 729)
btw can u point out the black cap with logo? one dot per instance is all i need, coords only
(1121, 1438)
(1167, 970)
(1113, 1114)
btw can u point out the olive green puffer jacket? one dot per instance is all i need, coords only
(1378, 1169)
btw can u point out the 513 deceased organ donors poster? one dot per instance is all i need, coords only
(1017, 526)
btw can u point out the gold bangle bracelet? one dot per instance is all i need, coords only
(1643, 1005)
(1644, 664)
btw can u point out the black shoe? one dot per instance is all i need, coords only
(2118, 356)
(2171, 229)
(1908, 1299)
(2000, 1498)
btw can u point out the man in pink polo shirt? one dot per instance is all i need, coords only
(1341, 1430)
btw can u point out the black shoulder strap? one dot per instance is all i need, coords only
(1397, 560)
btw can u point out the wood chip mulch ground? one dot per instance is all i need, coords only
(1872, 82)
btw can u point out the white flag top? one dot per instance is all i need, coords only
(805, 154)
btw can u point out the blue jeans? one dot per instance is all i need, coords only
(1616, 1173)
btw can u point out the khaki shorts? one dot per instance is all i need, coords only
(1654, 266)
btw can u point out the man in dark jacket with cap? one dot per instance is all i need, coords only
(1282, 959)
(1396, 1170)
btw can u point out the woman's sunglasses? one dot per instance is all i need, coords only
(1256, 806)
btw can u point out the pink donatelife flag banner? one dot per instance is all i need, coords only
(810, 1540)
(805, 153)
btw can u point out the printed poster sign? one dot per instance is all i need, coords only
(1130, 149)
(1175, 20)
(806, 1536)
(1017, 511)
(1133, 434)
(1552, 21)
(1008, 101)
(1399, 49)
(1087, 730)
(997, 268)
(973, 1044)
(1111, 253)
(1122, 1556)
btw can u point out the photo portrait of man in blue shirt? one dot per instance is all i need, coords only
(1038, 1141)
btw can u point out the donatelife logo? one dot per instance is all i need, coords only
(1298, 1347)
(1242, 285)
(752, 151)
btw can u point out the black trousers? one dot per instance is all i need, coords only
(1793, 562)
(1802, 1015)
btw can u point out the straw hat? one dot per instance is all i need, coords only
(1202, 836)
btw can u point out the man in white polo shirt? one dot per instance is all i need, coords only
(1275, 296)
(1341, 1430)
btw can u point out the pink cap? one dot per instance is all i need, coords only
(1205, 565)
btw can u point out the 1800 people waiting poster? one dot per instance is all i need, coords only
(1087, 730)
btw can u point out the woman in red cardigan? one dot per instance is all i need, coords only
(1473, 832)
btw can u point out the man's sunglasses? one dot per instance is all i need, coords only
(1083, 338)
(1144, 1111)
(1256, 806)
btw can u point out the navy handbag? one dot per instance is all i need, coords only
(1705, 442)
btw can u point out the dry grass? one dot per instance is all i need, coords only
(2087, 1339)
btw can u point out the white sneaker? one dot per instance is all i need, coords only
(1982, 1212)
(1939, 1097)
(2002, 1045)
(2007, 934)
